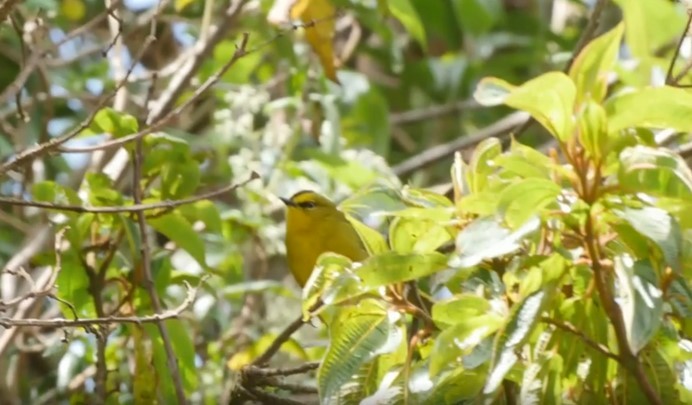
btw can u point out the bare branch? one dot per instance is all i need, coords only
(131, 208)
(63, 323)
(568, 327)
(439, 152)
(670, 80)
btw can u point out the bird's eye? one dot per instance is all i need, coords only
(308, 204)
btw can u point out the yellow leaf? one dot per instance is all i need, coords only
(73, 10)
(318, 17)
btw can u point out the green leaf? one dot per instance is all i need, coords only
(418, 197)
(594, 62)
(391, 267)
(411, 235)
(650, 25)
(184, 350)
(118, 124)
(179, 179)
(477, 16)
(657, 225)
(593, 130)
(549, 99)
(521, 322)
(205, 211)
(521, 200)
(101, 190)
(44, 191)
(358, 334)
(659, 172)
(451, 311)
(460, 339)
(651, 107)
(404, 11)
(481, 165)
(176, 228)
(485, 239)
(374, 242)
(640, 300)
(492, 91)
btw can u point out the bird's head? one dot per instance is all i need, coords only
(307, 210)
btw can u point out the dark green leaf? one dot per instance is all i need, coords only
(180, 231)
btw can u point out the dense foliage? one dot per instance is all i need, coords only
(542, 255)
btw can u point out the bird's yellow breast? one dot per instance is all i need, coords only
(304, 244)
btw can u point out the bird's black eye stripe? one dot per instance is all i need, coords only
(307, 204)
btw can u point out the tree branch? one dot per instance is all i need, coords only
(135, 208)
(568, 327)
(138, 320)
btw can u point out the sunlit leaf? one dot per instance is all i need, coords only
(657, 225)
(357, 335)
(656, 171)
(650, 24)
(522, 199)
(594, 63)
(392, 267)
(485, 239)
(458, 340)
(640, 300)
(458, 308)
(520, 325)
(651, 107)
(593, 131)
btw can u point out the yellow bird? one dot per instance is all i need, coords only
(314, 226)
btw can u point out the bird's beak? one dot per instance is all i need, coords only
(286, 201)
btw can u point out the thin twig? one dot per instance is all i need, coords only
(261, 372)
(421, 114)
(568, 327)
(145, 262)
(138, 320)
(240, 52)
(439, 152)
(279, 341)
(670, 80)
(135, 208)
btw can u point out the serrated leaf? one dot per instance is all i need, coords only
(485, 239)
(521, 322)
(523, 199)
(176, 228)
(640, 300)
(393, 267)
(358, 334)
(661, 228)
(460, 339)
(594, 62)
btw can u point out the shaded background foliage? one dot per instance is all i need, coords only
(229, 93)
